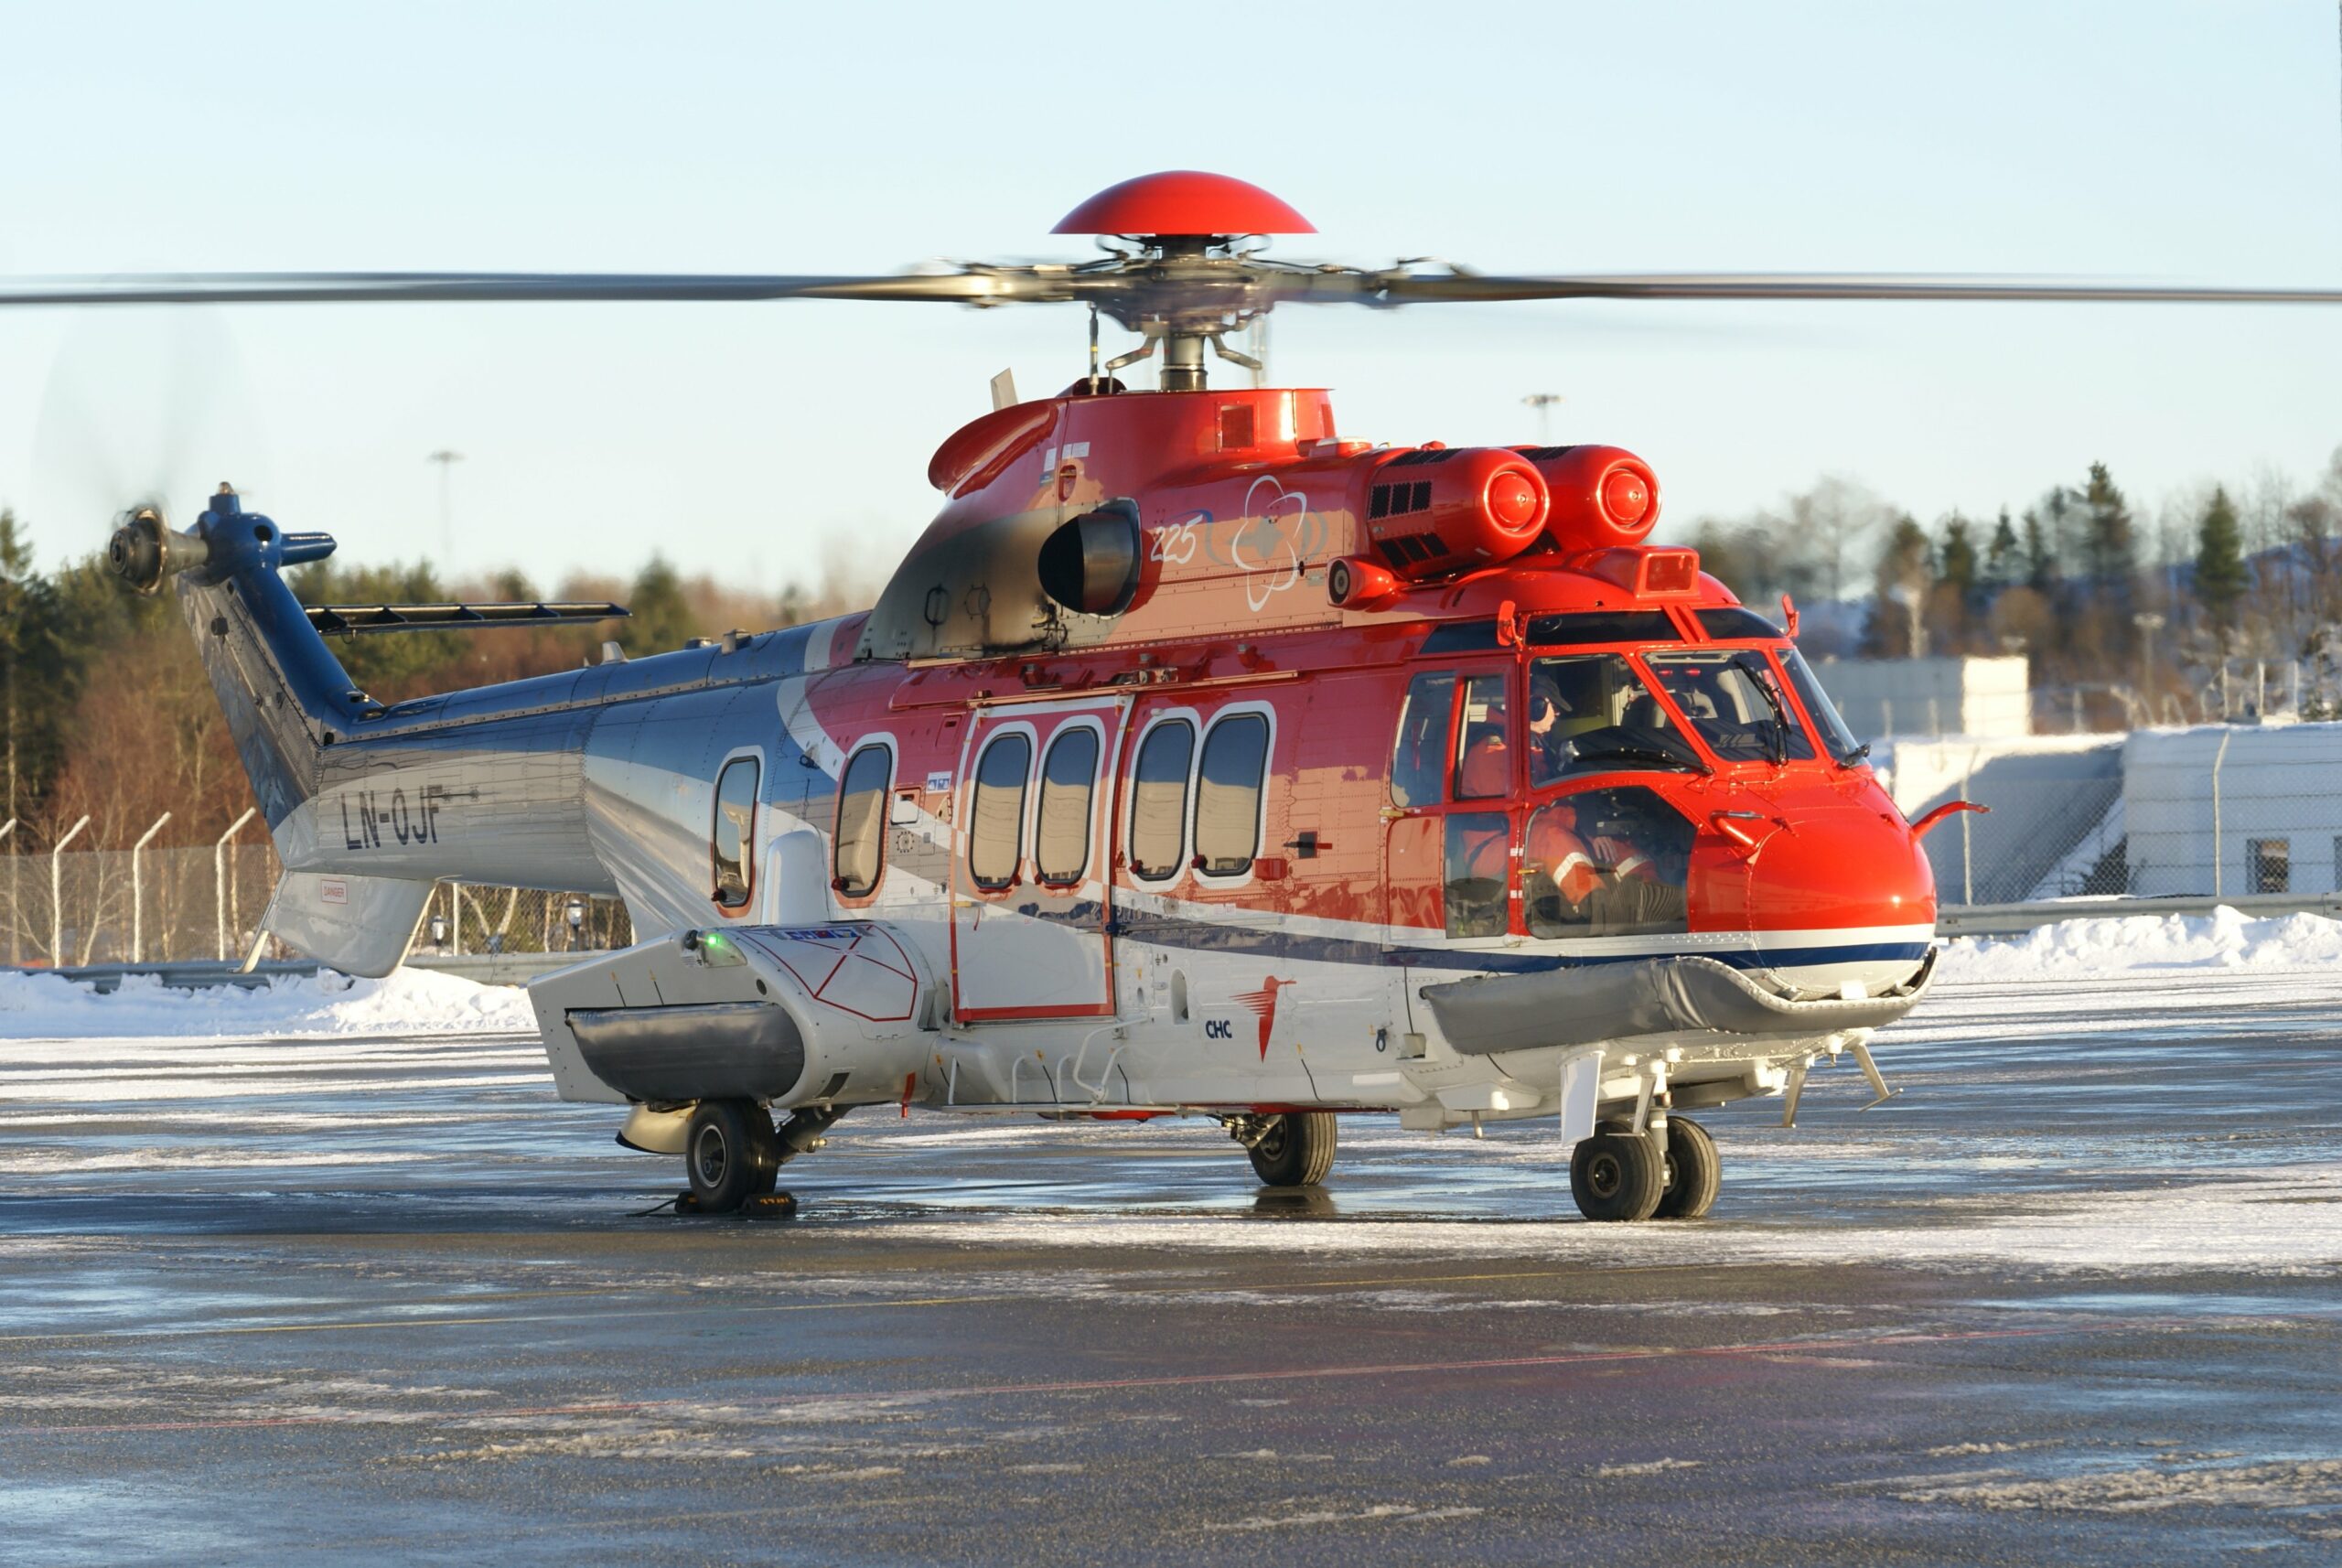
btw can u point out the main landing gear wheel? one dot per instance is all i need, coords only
(1297, 1150)
(1694, 1171)
(731, 1154)
(1617, 1176)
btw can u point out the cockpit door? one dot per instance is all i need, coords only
(1031, 853)
(1447, 840)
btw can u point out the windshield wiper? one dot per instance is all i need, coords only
(1857, 755)
(1658, 751)
(1758, 677)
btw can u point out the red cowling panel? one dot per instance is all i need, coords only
(1604, 497)
(1183, 201)
(1440, 511)
(973, 456)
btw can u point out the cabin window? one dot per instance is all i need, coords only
(1478, 853)
(1227, 794)
(1482, 742)
(733, 831)
(1592, 714)
(1418, 758)
(1599, 627)
(1605, 863)
(1734, 701)
(1069, 777)
(1159, 800)
(860, 846)
(996, 825)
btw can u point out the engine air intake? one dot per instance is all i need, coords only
(1443, 510)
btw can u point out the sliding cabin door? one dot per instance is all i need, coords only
(1031, 862)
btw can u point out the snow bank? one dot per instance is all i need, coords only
(2226, 939)
(410, 1001)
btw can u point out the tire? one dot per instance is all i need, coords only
(1694, 1171)
(1617, 1177)
(1296, 1151)
(730, 1154)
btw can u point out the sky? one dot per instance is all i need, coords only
(765, 443)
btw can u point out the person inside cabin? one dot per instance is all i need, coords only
(1485, 772)
(1555, 849)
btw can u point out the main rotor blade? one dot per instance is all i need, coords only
(368, 288)
(1410, 288)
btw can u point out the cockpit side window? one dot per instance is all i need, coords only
(1591, 713)
(1418, 756)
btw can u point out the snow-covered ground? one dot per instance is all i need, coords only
(410, 1002)
(2109, 946)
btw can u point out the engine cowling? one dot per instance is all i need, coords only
(1438, 511)
(1603, 497)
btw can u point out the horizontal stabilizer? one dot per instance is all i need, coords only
(349, 620)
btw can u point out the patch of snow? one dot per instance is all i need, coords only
(408, 1001)
(2281, 1483)
(2226, 939)
(1647, 1468)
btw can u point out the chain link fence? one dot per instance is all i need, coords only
(166, 906)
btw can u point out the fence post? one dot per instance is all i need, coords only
(57, 893)
(138, 892)
(456, 916)
(219, 877)
(2217, 757)
(14, 923)
(1966, 855)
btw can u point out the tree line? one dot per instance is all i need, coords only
(104, 709)
(2137, 611)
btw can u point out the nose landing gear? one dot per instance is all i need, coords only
(1620, 1174)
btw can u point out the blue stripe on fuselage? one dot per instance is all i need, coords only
(1195, 935)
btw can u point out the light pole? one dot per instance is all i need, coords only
(447, 461)
(2148, 623)
(1543, 403)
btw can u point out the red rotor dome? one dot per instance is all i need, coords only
(1184, 202)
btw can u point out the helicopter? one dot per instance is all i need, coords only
(1199, 760)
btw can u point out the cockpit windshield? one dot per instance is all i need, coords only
(1591, 713)
(1732, 698)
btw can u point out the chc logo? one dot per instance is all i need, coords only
(1220, 1029)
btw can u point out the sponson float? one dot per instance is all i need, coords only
(1200, 760)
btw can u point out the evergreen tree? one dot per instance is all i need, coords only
(2040, 557)
(1898, 606)
(16, 605)
(2003, 558)
(663, 618)
(2219, 561)
(1956, 560)
(2111, 541)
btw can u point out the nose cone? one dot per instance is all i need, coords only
(1834, 887)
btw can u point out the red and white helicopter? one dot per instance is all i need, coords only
(1200, 760)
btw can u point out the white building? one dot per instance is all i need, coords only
(2234, 809)
(1881, 699)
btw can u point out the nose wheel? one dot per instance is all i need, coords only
(1620, 1174)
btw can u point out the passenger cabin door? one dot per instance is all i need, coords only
(1447, 843)
(1031, 862)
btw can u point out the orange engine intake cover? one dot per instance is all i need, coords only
(1443, 510)
(1604, 497)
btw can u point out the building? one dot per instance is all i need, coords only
(2234, 809)
(1881, 699)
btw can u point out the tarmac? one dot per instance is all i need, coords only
(2070, 1296)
